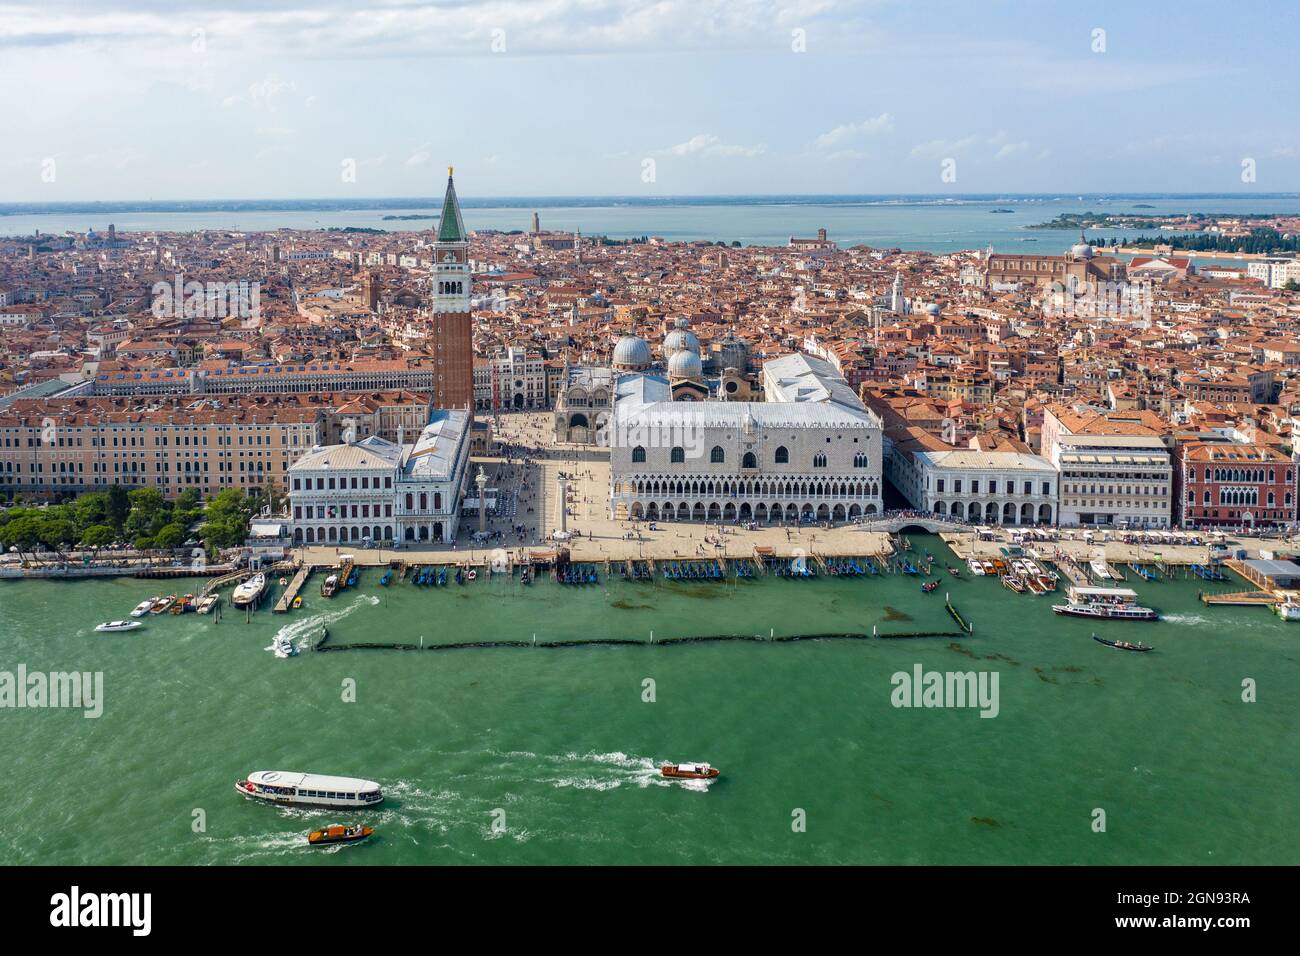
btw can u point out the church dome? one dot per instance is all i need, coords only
(932, 309)
(732, 352)
(685, 364)
(632, 353)
(1081, 250)
(681, 337)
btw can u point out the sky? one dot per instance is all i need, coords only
(266, 99)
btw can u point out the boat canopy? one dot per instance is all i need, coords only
(311, 781)
(1099, 593)
(693, 767)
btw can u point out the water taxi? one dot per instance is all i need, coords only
(329, 586)
(250, 592)
(339, 834)
(689, 771)
(163, 603)
(112, 626)
(205, 604)
(183, 604)
(284, 647)
(144, 607)
(976, 566)
(1288, 610)
(291, 788)
(1100, 568)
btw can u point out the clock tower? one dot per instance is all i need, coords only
(452, 336)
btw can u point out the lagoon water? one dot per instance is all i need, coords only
(560, 746)
(935, 223)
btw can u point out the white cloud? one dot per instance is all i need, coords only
(852, 132)
(1011, 149)
(710, 145)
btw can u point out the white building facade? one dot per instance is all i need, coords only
(982, 487)
(811, 452)
(380, 492)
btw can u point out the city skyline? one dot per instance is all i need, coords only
(639, 99)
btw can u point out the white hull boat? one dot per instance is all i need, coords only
(112, 627)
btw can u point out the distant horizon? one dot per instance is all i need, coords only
(554, 199)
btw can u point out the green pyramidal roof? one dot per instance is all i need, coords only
(451, 228)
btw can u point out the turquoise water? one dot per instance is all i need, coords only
(561, 741)
(932, 223)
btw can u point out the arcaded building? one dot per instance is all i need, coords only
(810, 452)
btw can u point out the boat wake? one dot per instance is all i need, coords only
(609, 771)
(1192, 620)
(298, 631)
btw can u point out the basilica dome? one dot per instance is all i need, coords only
(632, 354)
(685, 364)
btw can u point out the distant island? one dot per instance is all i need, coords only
(1001, 210)
(1074, 221)
(1257, 242)
(407, 218)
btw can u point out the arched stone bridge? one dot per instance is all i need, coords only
(931, 523)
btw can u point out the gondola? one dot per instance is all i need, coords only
(1123, 645)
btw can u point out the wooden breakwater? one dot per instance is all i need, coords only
(632, 642)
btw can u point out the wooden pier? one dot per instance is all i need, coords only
(1242, 598)
(291, 592)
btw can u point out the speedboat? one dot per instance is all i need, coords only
(112, 626)
(144, 607)
(163, 603)
(689, 771)
(284, 647)
(339, 834)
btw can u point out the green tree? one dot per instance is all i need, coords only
(22, 532)
(98, 536)
(170, 536)
(55, 531)
(90, 509)
(118, 506)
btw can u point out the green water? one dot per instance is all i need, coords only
(562, 743)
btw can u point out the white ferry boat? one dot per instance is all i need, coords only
(250, 591)
(1116, 604)
(291, 788)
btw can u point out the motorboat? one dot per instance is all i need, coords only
(250, 592)
(339, 834)
(297, 602)
(292, 788)
(144, 607)
(329, 586)
(206, 603)
(284, 647)
(976, 566)
(689, 771)
(1013, 583)
(1288, 611)
(109, 627)
(163, 603)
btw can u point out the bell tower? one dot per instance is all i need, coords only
(452, 335)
